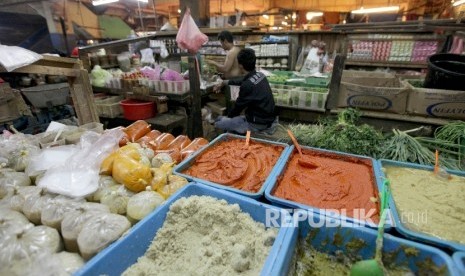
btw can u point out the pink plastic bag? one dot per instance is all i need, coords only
(189, 36)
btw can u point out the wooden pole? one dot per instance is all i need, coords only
(194, 125)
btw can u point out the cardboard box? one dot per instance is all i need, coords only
(437, 103)
(377, 94)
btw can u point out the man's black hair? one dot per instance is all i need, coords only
(226, 35)
(246, 57)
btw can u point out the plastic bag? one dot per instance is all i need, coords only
(28, 242)
(13, 57)
(48, 158)
(72, 224)
(71, 262)
(42, 263)
(104, 183)
(34, 205)
(53, 213)
(312, 62)
(99, 76)
(189, 36)
(143, 203)
(79, 176)
(98, 233)
(147, 56)
(12, 221)
(21, 193)
(137, 130)
(133, 174)
(116, 198)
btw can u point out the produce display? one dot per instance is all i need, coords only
(233, 163)
(291, 90)
(416, 192)
(330, 181)
(36, 226)
(206, 236)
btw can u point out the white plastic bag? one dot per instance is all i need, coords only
(312, 63)
(72, 224)
(143, 203)
(28, 242)
(189, 36)
(79, 176)
(98, 233)
(13, 57)
(49, 158)
(147, 56)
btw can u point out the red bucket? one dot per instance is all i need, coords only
(138, 110)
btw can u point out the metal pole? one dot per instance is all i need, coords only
(140, 16)
(154, 14)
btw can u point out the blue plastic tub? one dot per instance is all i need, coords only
(123, 253)
(223, 137)
(284, 202)
(400, 227)
(331, 239)
(459, 259)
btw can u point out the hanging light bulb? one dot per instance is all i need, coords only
(244, 23)
(294, 15)
(266, 16)
(310, 15)
(377, 10)
(101, 2)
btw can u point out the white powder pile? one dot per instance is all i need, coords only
(206, 236)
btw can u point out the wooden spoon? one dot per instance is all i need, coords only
(301, 160)
(247, 138)
(438, 171)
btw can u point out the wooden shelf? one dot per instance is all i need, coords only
(274, 67)
(217, 55)
(78, 80)
(322, 110)
(259, 42)
(373, 63)
(280, 56)
(395, 39)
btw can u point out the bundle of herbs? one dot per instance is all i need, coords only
(449, 140)
(347, 135)
(405, 148)
(306, 134)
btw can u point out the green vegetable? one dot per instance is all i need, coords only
(405, 148)
(416, 83)
(347, 136)
(341, 135)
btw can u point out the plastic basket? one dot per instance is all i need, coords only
(109, 107)
(117, 257)
(301, 97)
(170, 87)
(223, 137)
(49, 94)
(333, 240)
(459, 259)
(400, 227)
(280, 170)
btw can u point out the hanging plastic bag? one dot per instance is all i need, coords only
(189, 36)
(147, 56)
